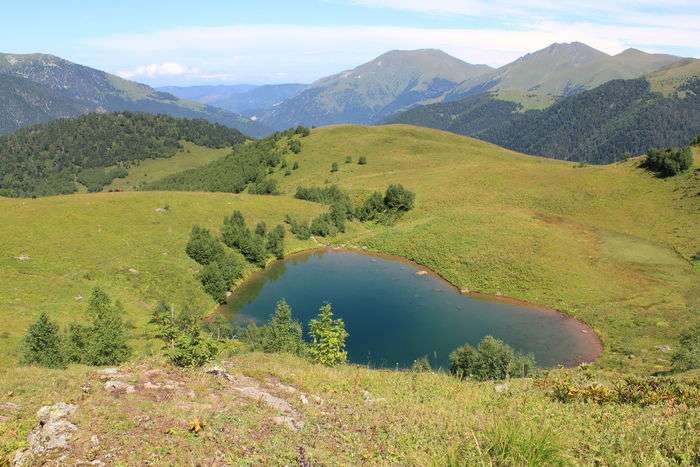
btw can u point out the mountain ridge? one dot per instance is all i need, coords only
(91, 89)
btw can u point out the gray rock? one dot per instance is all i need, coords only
(53, 433)
(664, 348)
(501, 388)
(119, 386)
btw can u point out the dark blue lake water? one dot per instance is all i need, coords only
(394, 316)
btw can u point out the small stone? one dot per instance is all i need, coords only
(108, 371)
(304, 399)
(95, 440)
(191, 395)
(501, 388)
(664, 348)
(133, 271)
(464, 290)
(289, 422)
(10, 407)
(23, 257)
(77, 298)
(85, 388)
(421, 273)
(119, 386)
(152, 386)
(160, 210)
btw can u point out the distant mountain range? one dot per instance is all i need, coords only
(550, 102)
(599, 125)
(247, 99)
(369, 93)
(36, 88)
(400, 80)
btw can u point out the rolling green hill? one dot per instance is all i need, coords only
(72, 89)
(94, 149)
(611, 245)
(598, 126)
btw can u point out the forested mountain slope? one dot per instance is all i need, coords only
(48, 158)
(598, 126)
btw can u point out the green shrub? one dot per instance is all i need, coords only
(287, 173)
(323, 226)
(185, 345)
(275, 242)
(669, 162)
(696, 141)
(687, 356)
(331, 195)
(253, 248)
(334, 167)
(231, 267)
(234, 230)
(421, 365)
(302, 130)
(348, 159)
(399, 198)
(492, 359)
(362, 160)
(371, 207)
(295, 166)
(214, 282)
(42, 344)
(267, 186)
(103, 341)
(202, 246)
(295, 146)
(281, 334)
(261, 228)
(328, 338)
(630, 390)
(299, 229)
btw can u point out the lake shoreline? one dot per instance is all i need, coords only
(593, 343)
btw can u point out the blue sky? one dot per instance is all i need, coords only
(217, 41)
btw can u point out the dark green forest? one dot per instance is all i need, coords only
(597, 126)
(48, 159)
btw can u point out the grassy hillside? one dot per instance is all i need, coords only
(352, 416)
(611, 245)
(190, 156)
(116, 240)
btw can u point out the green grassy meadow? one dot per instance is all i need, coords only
(189, 157)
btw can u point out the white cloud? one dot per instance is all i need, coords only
(275, 53)
(154, 70)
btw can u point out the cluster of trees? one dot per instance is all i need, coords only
(284, 334)
(362, 160)
(221, 265)
(492, 359)
(248, 166)
(103, 340)
(45, 159)
(668, 162)
(395, 200)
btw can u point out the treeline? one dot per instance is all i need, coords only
(49, 158)
(248, 166)
(377, 207)
(597, 126)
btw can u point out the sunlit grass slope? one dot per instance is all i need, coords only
(115, 240)
(189, 157)
(611, 245)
